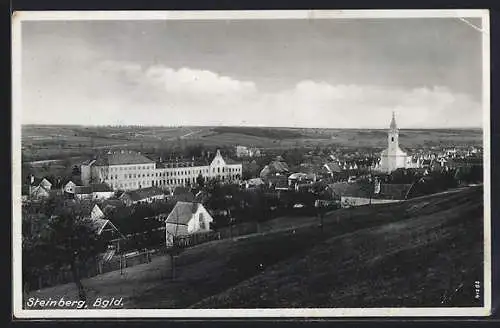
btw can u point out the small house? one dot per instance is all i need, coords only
(39, 192)
(95, 216)
(83, 192)
(46, 184)
(301, 178)
(101, 191)
(254, 183)
(274, 169)
(358, 194)
(69, 187)
(185, 219)
(144, 195)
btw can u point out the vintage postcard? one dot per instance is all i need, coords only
(251, 164)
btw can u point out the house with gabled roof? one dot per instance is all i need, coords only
(101, 191)
(39, 192)
(69, 187)
(83, 192)
(145, 195)
(38, 189)
(186, 218)
(357, 194)
(46, 184)
(92, 213)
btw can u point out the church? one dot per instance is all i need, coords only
(393, 157)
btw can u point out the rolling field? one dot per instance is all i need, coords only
(54, 142)
(419, 253)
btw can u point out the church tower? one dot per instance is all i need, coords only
(393, 157)
(393, 137)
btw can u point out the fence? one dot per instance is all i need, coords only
(48, 278)
(195, 239)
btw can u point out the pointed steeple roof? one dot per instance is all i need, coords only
(393, 125)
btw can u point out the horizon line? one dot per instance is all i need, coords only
(252, 126)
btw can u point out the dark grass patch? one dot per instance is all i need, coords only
(413, 263)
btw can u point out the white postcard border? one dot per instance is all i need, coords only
(18, 310)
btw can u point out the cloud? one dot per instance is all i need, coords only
(197, 82)
(113, 92)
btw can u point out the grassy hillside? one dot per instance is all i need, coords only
(423, 252)
(432, 258)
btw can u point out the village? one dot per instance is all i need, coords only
(136, 206)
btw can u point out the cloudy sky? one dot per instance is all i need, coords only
(335, 73)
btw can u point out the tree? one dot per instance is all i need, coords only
(75, 171)
(71, 240)
(200, 180)
(367, 187)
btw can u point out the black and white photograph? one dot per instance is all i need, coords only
(189, 164)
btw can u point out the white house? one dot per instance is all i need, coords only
(253, 183)
(186, 218)
(145, 195)
(69, 187)
(39, 192)
(101, 191)
(83, 192)
(242, 151)
(46, 184)
(356, 194)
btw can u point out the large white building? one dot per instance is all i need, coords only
(393, 157)
(127, 170)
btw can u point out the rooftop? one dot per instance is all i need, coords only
(122, 158)
(387, 191)
(182, 212)
(139, 194)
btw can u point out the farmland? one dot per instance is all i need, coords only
(418, 253)
(42, 142)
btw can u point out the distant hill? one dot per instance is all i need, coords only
(272, 133)
(59, 141)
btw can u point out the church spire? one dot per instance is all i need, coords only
(393, 125)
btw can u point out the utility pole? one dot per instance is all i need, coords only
(231, 220)
(320, 212)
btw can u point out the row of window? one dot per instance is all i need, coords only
(175, 173)
(132, 185)
(135, 167)
(195, 171)
(158, 183)
(130, 176)
(144, 175)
